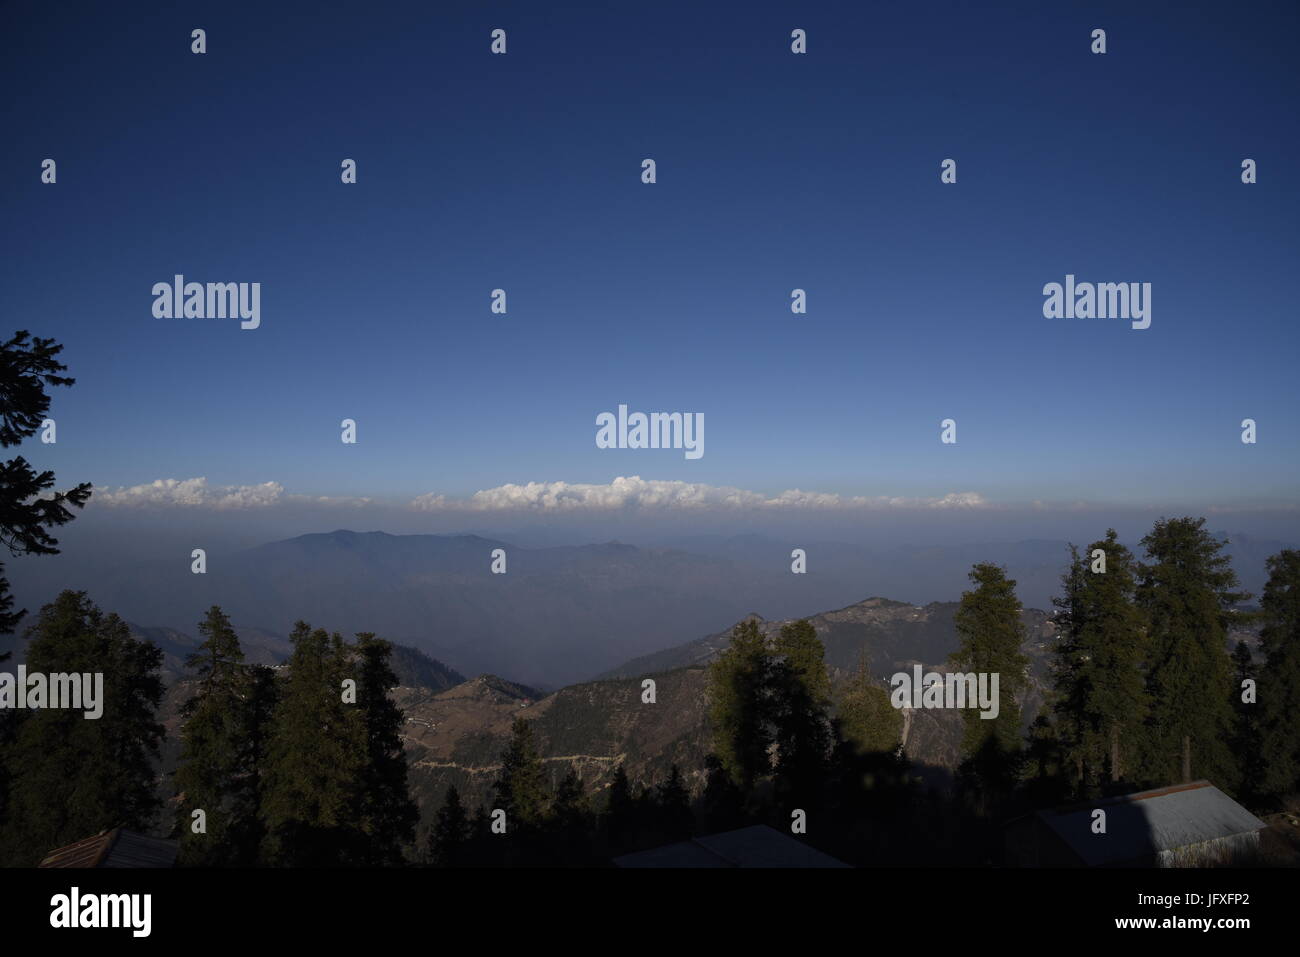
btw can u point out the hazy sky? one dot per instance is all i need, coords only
(775, 171)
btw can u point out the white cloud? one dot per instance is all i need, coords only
(636, 492)
(631, 492)
(194, 492)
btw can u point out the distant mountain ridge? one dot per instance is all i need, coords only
(892, 634)
(560, 614)
(557, 615)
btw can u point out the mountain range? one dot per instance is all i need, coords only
(456, 730)
(559, 614)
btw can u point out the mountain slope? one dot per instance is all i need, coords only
(892, 634)
(456, 737)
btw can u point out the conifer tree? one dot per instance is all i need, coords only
(620, 814)
(28, 368)
(1247, 735)
(676, 822)
(451, 833)
(261, 689)
(1099, 693)
(871, 794)
(1279, 681)
(570, 808)
(722, 804)
(740, 685)
(867, 721)
(213, 775)
(76, 776)
(571, 826)
(315, 758)
(263, 698)
(800, 696)
(1045, 777)
(520, 787)
(991, 633)
(484, 848)
(1187, 589)
(388, 815)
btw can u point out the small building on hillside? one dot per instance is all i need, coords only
(758, 846)
(116, 848)
(1187, 825)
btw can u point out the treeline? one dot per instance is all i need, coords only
(67, 777)
(1144, 689)
(302, 769)
(297, 766)
(1142, 692)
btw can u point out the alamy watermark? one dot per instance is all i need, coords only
(35, 690)
(75, 909)
(954, 690)
(658, 430)
(1103, 300)
(213, 300)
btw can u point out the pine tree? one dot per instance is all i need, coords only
(1187, 590)
(1044, 772)
(867, 721)
(570, 808)
(571, 826)
(620, 814)
(722, 804)
(263, 699)
(484, 849)
(248, 830)
(315, 758)
(871, 795)
(991, 632)
(520, 787)
(676, 822)
(740, 684)
(28, 368)
(1279, 681)
(801, 696)
(451, 833)
(1099, 694)
(1247, 742)
(213, 775)
(388, 815)
(77, 776)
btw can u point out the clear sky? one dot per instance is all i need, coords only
(775, 171)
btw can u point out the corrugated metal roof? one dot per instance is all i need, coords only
(84, 853)
(116, 848)
(1144, 824)
(683, 854)
(757, 846)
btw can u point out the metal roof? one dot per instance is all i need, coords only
(116, 848)
(1144, 824)
(757, 846)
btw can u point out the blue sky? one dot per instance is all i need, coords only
(775, 171)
